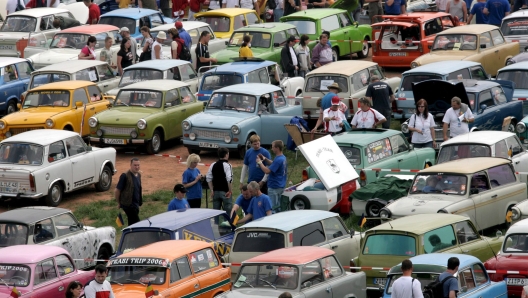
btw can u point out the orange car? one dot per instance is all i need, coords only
(173, 268)
(398, 40)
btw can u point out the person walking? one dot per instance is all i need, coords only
(99, 286)
(457, 8)
(146, 54)
(243, 200)
(375, 8)
(192, 181)
(448, 280)
(334, 118)
(366, 117)
(326, 102)
(421, 125)
(457, 118)
(125, 55)
(202, 52)
(245, 50)
(179, 201)
(260, 205)
(252, 169)
(64, 22)
(303, 56)
(278, 11)
(406, 286)
(394, 7)
(74, 290)
(128, 192)
(88, 51)
(220, 180)
(322, 52)
(107, 55)
(93, 12)
(277, 171)
(478, 11)
(496, 10)
(125, 32)
(289, 62)
(381, 96)
(156, 46)
(183, 34)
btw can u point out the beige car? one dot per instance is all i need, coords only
(478, 43)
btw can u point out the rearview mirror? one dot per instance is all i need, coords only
(276, 44)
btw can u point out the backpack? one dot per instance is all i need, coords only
(184, 54)
(436, 288)
(19, 6)
(272, 4)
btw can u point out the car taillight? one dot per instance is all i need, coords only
(362, 178)
(352, 265)
(32, 182)
(420, 47)
(402, 98)
(307, 112)
(291, 237)
(304, 175)
(521, 98)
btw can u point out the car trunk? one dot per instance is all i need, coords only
(15, 180)
(398, 40)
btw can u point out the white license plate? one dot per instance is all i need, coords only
(115, 141)
(517, 281)
(380, 281)
(8, 184)
(395, 54)
(7, 47)
(208, 145)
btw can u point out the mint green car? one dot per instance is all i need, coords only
(147, 114)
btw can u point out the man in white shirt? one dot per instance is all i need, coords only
(11, 5)
(250, 4)
(366, 117)
(406, 286)
(457, 118)
(333, 117)
(99, 286)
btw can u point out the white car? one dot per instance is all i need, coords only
(48, 163)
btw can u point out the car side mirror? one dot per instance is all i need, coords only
(226, 43)
(80, 225)
(473, 191)
(79, 104)
(483, 107)
(352, 232)
(89, 148)
(19, 106)
(498, 234)
(276, 44)
(482, 46)
(307, 284)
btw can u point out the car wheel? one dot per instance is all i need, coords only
(103, 254)
(364, 50)
(154, 145)
(335, 53)
(11, 107)
(373, 208)
(242, 149)
(54, 195)
(511, 127)
(105, 180)
(300, 203)
(193, 151)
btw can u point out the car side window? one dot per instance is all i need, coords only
(75, 145)
(480, 276)
(501, 149)
(65, 224)
(186, 95)
(144, 21)
(10, 73)
(334, 228)
(345, 19)
(263, 75)
(485, 99)
(174, 273)
(64, 265)
(374, 71)
(330, 23)
(187, 72)
(46, 23)
(184, 270)
(498, 95)
(515, 145)
(432, 27)
(279, 38)
(465, 232)
(156, 19)
(360, 79)
(501, 175)
(87, 74)
(240, 22)
(44, 272)
(477, 73)
(44, 231)
(203, 260)
(497, 37)
(220, 226)
(105, 72)
(23, 70)
(251, 18)
(278, 101)
(308, 235)
(485, 40)
(331, 267)
(56, 152)
(398, 144)
(467, 283)
(80, 95)
(172, 98)
(447, 22)
(439, 239)
(454, 75)
(480, 181)
(254, 77)
(195, 34)
(312, 273)
(95, 93)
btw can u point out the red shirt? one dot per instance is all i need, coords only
(93, 13)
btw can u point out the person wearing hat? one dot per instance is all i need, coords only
(333, 117)
(326, 102)
(125, 32)
(156, 46)
(366, 117)
(183, 34)
(179, 201)
(289, 61)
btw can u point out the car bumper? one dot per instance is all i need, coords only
(399, 61)
(20, 196)
(128, 142)
(215, 145)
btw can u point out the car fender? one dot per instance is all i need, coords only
(393, 82)
(53, 182)
(292, 85)
(103, 164)
(11, 98)
(101, 236)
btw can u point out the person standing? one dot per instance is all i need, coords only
(178, 8)
(243, 200)
(128, 192)
(478, 10)
(496, 10)
(99, 286)
(183, 34)
(251, 168)
(179, 201)
(291, 6)
(303, 55)
(441, 5)
(260, 205)
(457, 8)
(277, 171)
(322, 52)
(74, 290)
(250, 4)
(107, 55)
(93, 12)
(406, 286)
(289, 62)
(156, 46)
(146, 54)
(220, 181)
(194, 7)
(381, 96)
(448, 280)
(457, 118)
(176, 43)
(333, 117)
(245, 50)
(192, 181)
(394, 7)
(326, 102)
(366, 117)
(202, 52)
(125, 55)
(278, 12)
(88, 51)
(375, 8)
(125, 32)
(421, 125)
(14, 5)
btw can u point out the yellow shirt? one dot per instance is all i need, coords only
(245, 52)
(124, 3)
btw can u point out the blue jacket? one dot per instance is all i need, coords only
(300, 122)
(186, 37)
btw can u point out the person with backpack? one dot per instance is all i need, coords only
(146, 54)
(447, 279)
(176, 44)
(406, 286)
(366, 117)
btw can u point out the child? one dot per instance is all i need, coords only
(179, 201)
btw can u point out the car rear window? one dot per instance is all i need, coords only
(516, 243)
(320, 83)
(409, 79)
(133, 240)
(458, 151)
(515, 26)
(139, 75)
(258, 241)
(352, 154)
(388, 244)
(217, 81)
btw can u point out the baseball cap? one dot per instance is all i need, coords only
(180, 188)
(291, 38)
(178, 25)
(124, 29)
(335, 101)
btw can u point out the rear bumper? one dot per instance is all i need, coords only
(20, 196)
(386, 61)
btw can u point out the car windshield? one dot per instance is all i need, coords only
(390, 244)
(516, 243)
(137, 274)
(303, 26)
(520, 77)
(400, 37)
(55, 98)
(458, 151)
(19, 24)
(320, 83)
(423, 278)
(166, 42)
(11, 233)
(455, 42)
(72, 41)
(151, 99)
(217, 81)
(119, 22)
(258, 39)
(19, 153)
(268, 276)
(441, 183)
(232, 101)
(135, 239)
(218, 24)
(46, 78)
(352, 154)
(515, 26)
(255, 241)
(14, 275)
(139, 75)
(409, 79)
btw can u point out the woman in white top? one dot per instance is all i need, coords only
(156, 46)
(366, 117)
(421, 125)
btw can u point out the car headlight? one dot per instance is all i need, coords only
(227, 139)
(442, 211)
(2, 125)
(414, 65)
(186, 125)
(384, 213)
(92, 122)
(405, 128)
(235, 129)
(133, 134)
(520, 127)
(516, 213)
(142, 124)
(50, 123)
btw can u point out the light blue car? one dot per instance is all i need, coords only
(134, 19)
(518, 73)
(473, 280)
(235, 113)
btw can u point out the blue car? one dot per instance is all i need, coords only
(207, 225)
(14, 79)
(134, 19)
(518, 73)
(473, 280)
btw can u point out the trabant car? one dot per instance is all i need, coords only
(14, 77)
(472, 278)
(483, 189)
(48, 163)
(134, 19)
(517, 73)
(207, 225)
(191, 270)
(304, 271)
(48, 226)
(38, 271)
(56, 105)
(522, 56)
(513, 28)
(346, 38)
(235, 113)
(145, 114)
(479, 43)
(390, 243)
(224, 21)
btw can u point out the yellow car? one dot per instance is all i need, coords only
(224, 21)
(57, 105)
(478, 43)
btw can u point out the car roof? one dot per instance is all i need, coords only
(256, 89)
(435, 263)
(519, 13)
(134, 13)
(242, 66)
(92, 29)
(444, 67)
(176, 219)
(488, 137)
(224, 12)
(466, 165)
(316, 13)
(476, 85)
(158, 85)
(29, 254)
(38, 12)
(518, 227)
(41, 137)
(344, 67)
(159, 64)
(516, 66)
(364, 136)
(187, 25)
(473, 29)
(288, 220)
(416, 16)
(29, 215)
(10, 60)
(296, 255)
(70, 66)
(167, 249)
(267, 27)
(64, 85)
(427, 222)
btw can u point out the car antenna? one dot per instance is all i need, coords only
(150, 223)
(476, 223)
(390, 225)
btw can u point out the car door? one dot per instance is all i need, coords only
(505, 192)
(348, 32)
(66, 269)
(174, 113)
(188, 101)
(487, 52)
(498, 44)
(313, 283)
(46, 283)
(338, 282)
(107, 79)
(338, 238)
(24, 71)
(485, 107)
(204, 264)
(483, 199)
(406, 158)
(472, 281)
(182, 281)
(83, 164)
(79, 95)
(59, 163)
(333, 25)
(12, 86)
(96, 104)
(470, 241)
(189, 76)
(519, 157)
(74, 239)
(272, 124)
(46, 25)
(38, 42)
(223, 234)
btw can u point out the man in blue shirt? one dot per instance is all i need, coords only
(450, 286)
(394, 7)
(277, 171)
(179, 201)
(184, 34)
(260, 205)
(496, 11)
(251, 168)
(243, 201)
(477, 10)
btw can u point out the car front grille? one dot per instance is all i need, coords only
(15, 131)
(210, 134)
(125, 131)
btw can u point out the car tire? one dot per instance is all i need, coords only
(105, 180)
(511, 127)
(242, 149)
(364, 50)
(55, 195)
(103, 254)
(373, 208)
(193, 151)
(299, 202)
(11, 107)
(154, 145)
(335, 53)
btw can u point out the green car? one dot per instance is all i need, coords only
(267, 41)
(145, 114)
(346, 36)
(390, 243)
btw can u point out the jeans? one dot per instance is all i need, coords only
(221, 201)
(277, 14)
(423, 145)
(275, 194)
(132, 214)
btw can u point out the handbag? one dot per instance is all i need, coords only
(146, 55)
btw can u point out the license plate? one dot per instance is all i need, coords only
(517, 281)
(208, 145)
(380, 281)
(7, 47)
(115, 141)
(8, 184)
(395, 54)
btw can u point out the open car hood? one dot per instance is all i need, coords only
(508, 87)
(435, 90)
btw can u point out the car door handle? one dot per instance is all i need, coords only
(184, 110)
(400, 160)
(493, 196)
(61, 288)
(335, 246)
(196, 286)
(465, 251)
(74, 162)
(93, 108)
(496, 51)
(65, 242)
(329, 289)
(105, 85)
(517, 162)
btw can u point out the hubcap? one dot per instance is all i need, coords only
(155, 142)
(374, 210)
(55, 194)
(299, 205)
(365, 47)
(105, 178)
(11, 109)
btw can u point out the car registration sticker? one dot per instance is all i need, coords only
(11, 47)
(115, 141)
(395, 54)
(380, 281)
(208, 145)
(517, 281)
(8, 187)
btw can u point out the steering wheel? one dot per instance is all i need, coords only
(18, 278)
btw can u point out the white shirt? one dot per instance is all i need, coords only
(214, 5)
(56, 4)
(424, 125)
(441, 4)
(12, 5)
(94, 287)
(457, 127)
(247, 3)
(366, 119)
(156, 43)
(333, 125)
(231, 3)
(294, 57)
(405, 287)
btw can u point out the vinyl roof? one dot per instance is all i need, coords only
(444, 67)
(427, 222)
(470, 29)
(92, 29)
(288, 220)
(158, 85)
(176, 219)
(29, 254)
(467, 165)
(70, 66)
(168, 249)
(297, 255)
(65, 85)
(41, 137)
(29, 215)
(344, 67)
(488, 137)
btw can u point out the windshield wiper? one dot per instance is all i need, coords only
(135, 281)
(113, 281)
(269, 283)
(121, 103)
(246, 282)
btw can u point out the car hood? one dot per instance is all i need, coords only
(421, 204)
(257, 293)
(33, 115)
(439, 56)
(509, 261)
(521, 57)
(225, 55)
(125, 115)
(53, 56)
(218, 119)
(13, 36)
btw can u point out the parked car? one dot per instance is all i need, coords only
(473, 279)
(293, 228)
(248, 71)
(346, 37)
(483, 189)
(134, 19)
(479, 43)
(48, 163)
(14, 77)
(522, 56)
(191, 270)
(445, 70)
(401, 39)
(207, 225)
(390, 243)
(517, 73)
(57, 227)
(23, 267)
(234, 114)
(513, 28)
(225, 21)
(304, 271)
(56, 105)
(145, 114)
